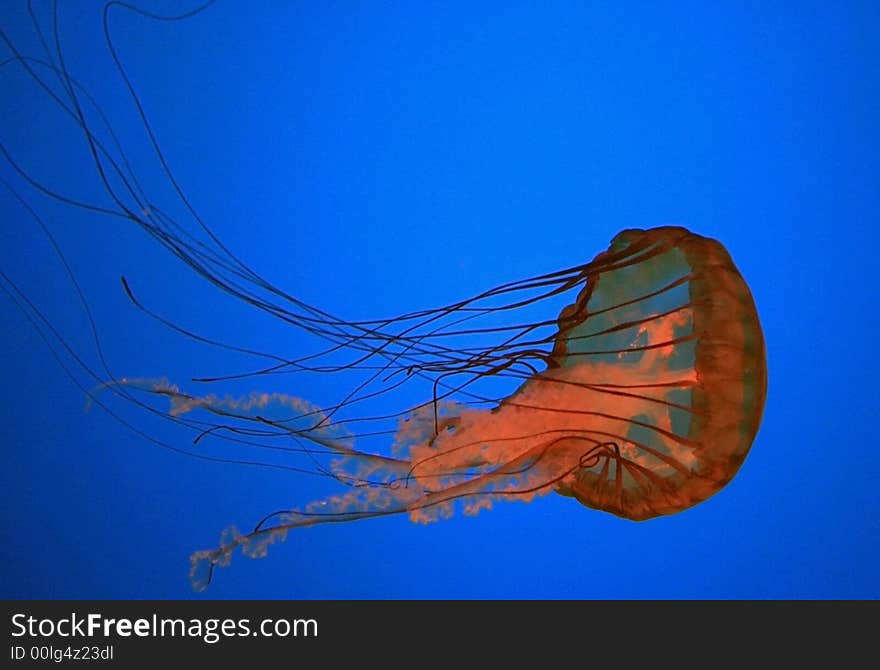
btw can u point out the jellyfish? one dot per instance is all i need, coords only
(648, 399)
(633, 383)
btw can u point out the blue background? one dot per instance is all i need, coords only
(378, 157)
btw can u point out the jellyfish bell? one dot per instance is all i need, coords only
(684, 407)
(650, 398)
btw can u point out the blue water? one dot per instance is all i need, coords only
(377, 158)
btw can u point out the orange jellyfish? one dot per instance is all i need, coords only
(649, 395)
